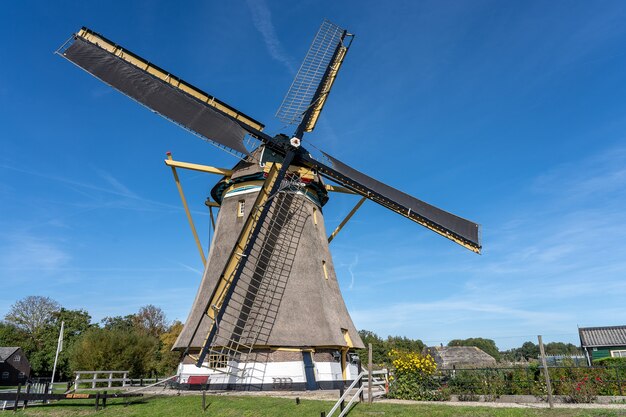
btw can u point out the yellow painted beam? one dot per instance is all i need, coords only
(344, 353)
(348, 217)
(210, 203)
(319, 104)
(187, 212)
(197, 167)
(338, 189)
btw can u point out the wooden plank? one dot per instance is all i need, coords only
(11, 396)
(545, 371)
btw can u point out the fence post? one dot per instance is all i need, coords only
(93, 383)
(545, 370)
(125, 376)
(341, 391)
(76, 381)
(17, 397)
(26, 399)
(359, 370)
(46, 391)
(369, 373)
(110, 378)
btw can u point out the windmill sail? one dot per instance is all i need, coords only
(455, 228)
(310, 88)
(160, 91)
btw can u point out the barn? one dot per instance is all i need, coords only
(603, 342)
(14, 367)
(449, 357)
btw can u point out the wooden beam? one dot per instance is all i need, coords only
(339, 189)
(348, 217)
(197, 167)
(187, 212)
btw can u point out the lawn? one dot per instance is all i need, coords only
(252, 406)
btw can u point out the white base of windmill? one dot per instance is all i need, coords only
(291, 375)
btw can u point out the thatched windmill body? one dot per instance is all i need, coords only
(269, 312)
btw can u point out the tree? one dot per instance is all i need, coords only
(32, 313)
(116, 350)
(151, 319)
(486, 345)
(32, 317)
(405, 344)
(560, 348)
(12, 336)
(119, 322)
(76, 323)
(529, 350)
(168, 360)
(379, 350)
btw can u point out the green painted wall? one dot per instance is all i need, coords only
(604, 352)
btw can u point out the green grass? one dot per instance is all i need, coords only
(252, 406)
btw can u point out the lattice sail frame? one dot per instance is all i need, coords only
(315, 76)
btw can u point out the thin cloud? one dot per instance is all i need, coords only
(262, 20)
(25, 251)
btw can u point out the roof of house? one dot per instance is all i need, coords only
(5, 352)
(602, 336)
(460, 355)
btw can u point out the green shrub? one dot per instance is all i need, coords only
(610, 362)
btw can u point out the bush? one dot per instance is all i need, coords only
(469, 384)
(621, 362)
(414, 377)
(115, 350)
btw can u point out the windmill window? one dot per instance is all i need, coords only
(5, 375)
(314, 215)
(241, 207)
(17, 358)
(21, 375)
(325, 269)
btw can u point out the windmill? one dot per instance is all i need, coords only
(269, 312)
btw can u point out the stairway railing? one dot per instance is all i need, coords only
(361, 381)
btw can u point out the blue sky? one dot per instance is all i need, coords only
(511, 114)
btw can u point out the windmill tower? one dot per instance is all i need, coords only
(269, 312)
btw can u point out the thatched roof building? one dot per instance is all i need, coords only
(448, 357)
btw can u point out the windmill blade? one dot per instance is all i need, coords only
(160, 91)
(457, 229)
(307, 95)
